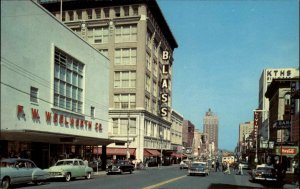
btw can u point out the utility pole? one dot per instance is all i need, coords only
(127, 152)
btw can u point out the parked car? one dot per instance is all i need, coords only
(120, 167)
(185, 164)
(264, 173)
(199, 168)
(19, 171)
(70, 168)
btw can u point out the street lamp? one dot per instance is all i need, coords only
(161, 137)
(127, 152)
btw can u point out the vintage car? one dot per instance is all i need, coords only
(185, 164)
(70, 168)
(264, 173)
(120, 167)
(18, 171)
(199, 168)
(243, 165)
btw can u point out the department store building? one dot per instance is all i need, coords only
(54, 88)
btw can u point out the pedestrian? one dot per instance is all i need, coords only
(217, 166)
(227, 168)
(240, 170)
(212, 164)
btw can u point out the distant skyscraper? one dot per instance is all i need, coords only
(211, 127)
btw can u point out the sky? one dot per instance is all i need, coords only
(223, 47)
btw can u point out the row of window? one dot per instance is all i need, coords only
(122, 125)
(100, 35)
(99, 13)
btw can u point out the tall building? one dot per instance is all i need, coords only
(245, 131)
(136, 38)
(211, 127)
(188, 135)
(263, 103)
(54, 95)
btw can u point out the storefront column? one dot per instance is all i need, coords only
(103, 157)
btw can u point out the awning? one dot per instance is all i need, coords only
(115, 151)
(177, 155)
(151, 153)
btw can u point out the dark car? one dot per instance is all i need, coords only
(120, 167)
(264, 173)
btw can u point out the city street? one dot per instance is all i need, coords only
(167, 177)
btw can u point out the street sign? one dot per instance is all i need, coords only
(282, 124)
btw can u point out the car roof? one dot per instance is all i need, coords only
(12, 160)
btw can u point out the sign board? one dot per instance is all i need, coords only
(282, 124)
(289, 151)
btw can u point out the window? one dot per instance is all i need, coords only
(106, 12)
(126, 33)
(104, 52)
(117, 12)
(34, 94)
(98, 13)
(98, 35)
(135, 10)
(132, 126)
(71, 15)
(79, 14)
(148, 83)
(68, 76)
(148, 61)
(124, 101)
(89, 13)
(147, 103)
(92, 112)
(63, 18)
(125, 56)
(126, 10)
(124, 79)
(115, 126)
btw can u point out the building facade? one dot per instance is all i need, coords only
(176, 131)
(136, 38)
(265, 80)
(283, 111)
(188, 135)
(211, 127)
(54, 87)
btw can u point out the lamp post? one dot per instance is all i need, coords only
(161, 137)
(127, 152)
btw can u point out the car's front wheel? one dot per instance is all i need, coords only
(5, 183)
(88, 175)
(68, 177)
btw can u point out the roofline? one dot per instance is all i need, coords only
(54, 5)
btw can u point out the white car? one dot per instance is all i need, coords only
(70, 168)
(243, 165)
(185, 164)
(20, 171)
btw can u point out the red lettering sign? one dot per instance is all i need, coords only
(288, 151)
(72, 121)
(20, 110)
(35, 113)
(55, 118)
(48, 116)
(66, 121)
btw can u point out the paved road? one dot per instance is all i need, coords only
(169, 177)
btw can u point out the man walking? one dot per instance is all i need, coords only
(217, 166)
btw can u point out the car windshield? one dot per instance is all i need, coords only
(197, 165)
(66, 162)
